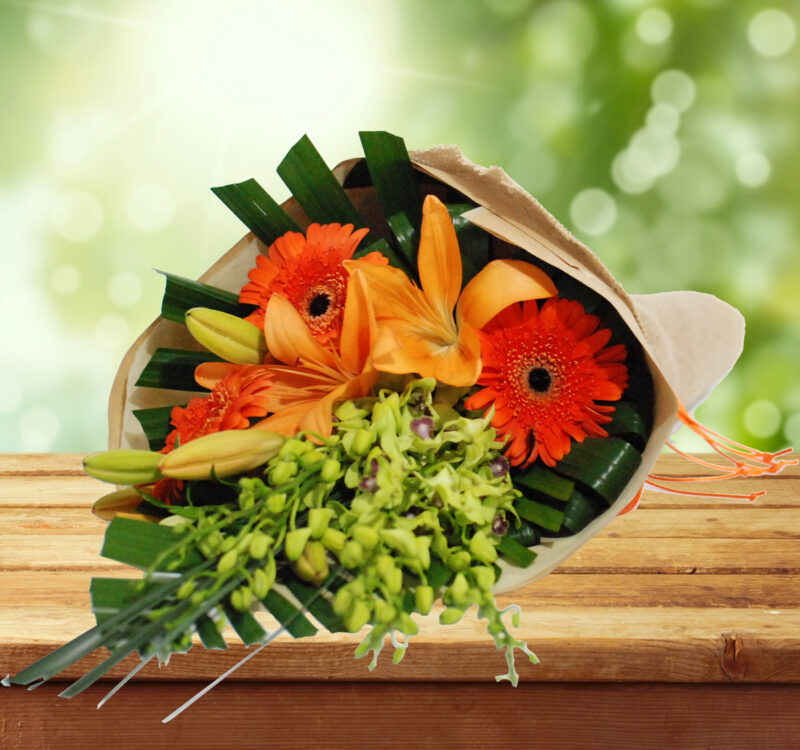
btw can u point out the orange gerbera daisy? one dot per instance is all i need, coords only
(307, 270)
(239, 394)
(544, 371)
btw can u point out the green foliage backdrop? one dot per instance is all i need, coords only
(664, 134)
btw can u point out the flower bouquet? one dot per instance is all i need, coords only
(406, 384)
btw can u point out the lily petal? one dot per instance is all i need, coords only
(498, 285)
(288, 337)
(439, 259)
(359, 329)
(460, 365)
(210, 373)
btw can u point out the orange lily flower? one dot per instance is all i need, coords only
(314, 377)
(432, 342)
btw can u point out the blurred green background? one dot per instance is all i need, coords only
(664, 134)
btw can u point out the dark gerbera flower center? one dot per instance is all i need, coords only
(539, 379)
(319, 305)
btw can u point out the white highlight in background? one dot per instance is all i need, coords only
(124, 289)
(654, 26)
(77, 216)
(38, 428)
(150, 207)
(753, 169)
(593, 211)
(772, 32)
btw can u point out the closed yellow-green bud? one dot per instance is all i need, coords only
(482, 549)
(282, 472)
(221, 453)
(186, 589)
(227, 561)
(295, 542)
(312, 566)
(484, 577)
(458, 590)
(276, 503)
(259, 545)
(331, 470)
(318, 520)
(228, 336)
(394, 581)
(261, 585)
(124, 466)
(406, 624)
(384, 612)
(334, 540)
(293, 448)
(384, 565)
(343, 600)
(352, 555)
(451, 615)
(358, 616)
(362, 442)
(458, 560)
(366, 536)
(270, 571)
(423, 599)
(243, 543)
(312, 458)
(245, 600)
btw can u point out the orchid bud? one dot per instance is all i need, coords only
(312, 566)
(295, 542)
(482, 549)
(318, 520)
(423, 599)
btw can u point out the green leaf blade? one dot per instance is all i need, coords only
(305, 173)
(181, 294)
(257, 210)
(173, 369)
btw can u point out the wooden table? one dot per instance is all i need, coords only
(677, 626)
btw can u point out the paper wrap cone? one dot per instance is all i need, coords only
(690, 340)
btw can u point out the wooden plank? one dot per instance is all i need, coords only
(66, 591)
(602, 554)
(51, 491)
(358, 715)
(610, 555)
(726, 522)
(615, 644)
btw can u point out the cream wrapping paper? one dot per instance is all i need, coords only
(690, 340)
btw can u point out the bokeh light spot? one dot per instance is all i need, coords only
(663, 119)
(10, 394)
(38, 429)
(654, 26)
(124, 289)
(77, 216)
(150, 207)
(753, 169)
(772, 32)
(65, 279)
(792, 430)
(673, 87)
(593, 211)
(112, 332)
(762, 418)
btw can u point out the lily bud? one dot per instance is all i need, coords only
(228, 336)
(222, 453)
(124, 466)
(121, 501)
(312, 566)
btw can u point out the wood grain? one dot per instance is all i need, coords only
(674, 592)
(411, 715)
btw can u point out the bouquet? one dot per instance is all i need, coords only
(407, 384)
